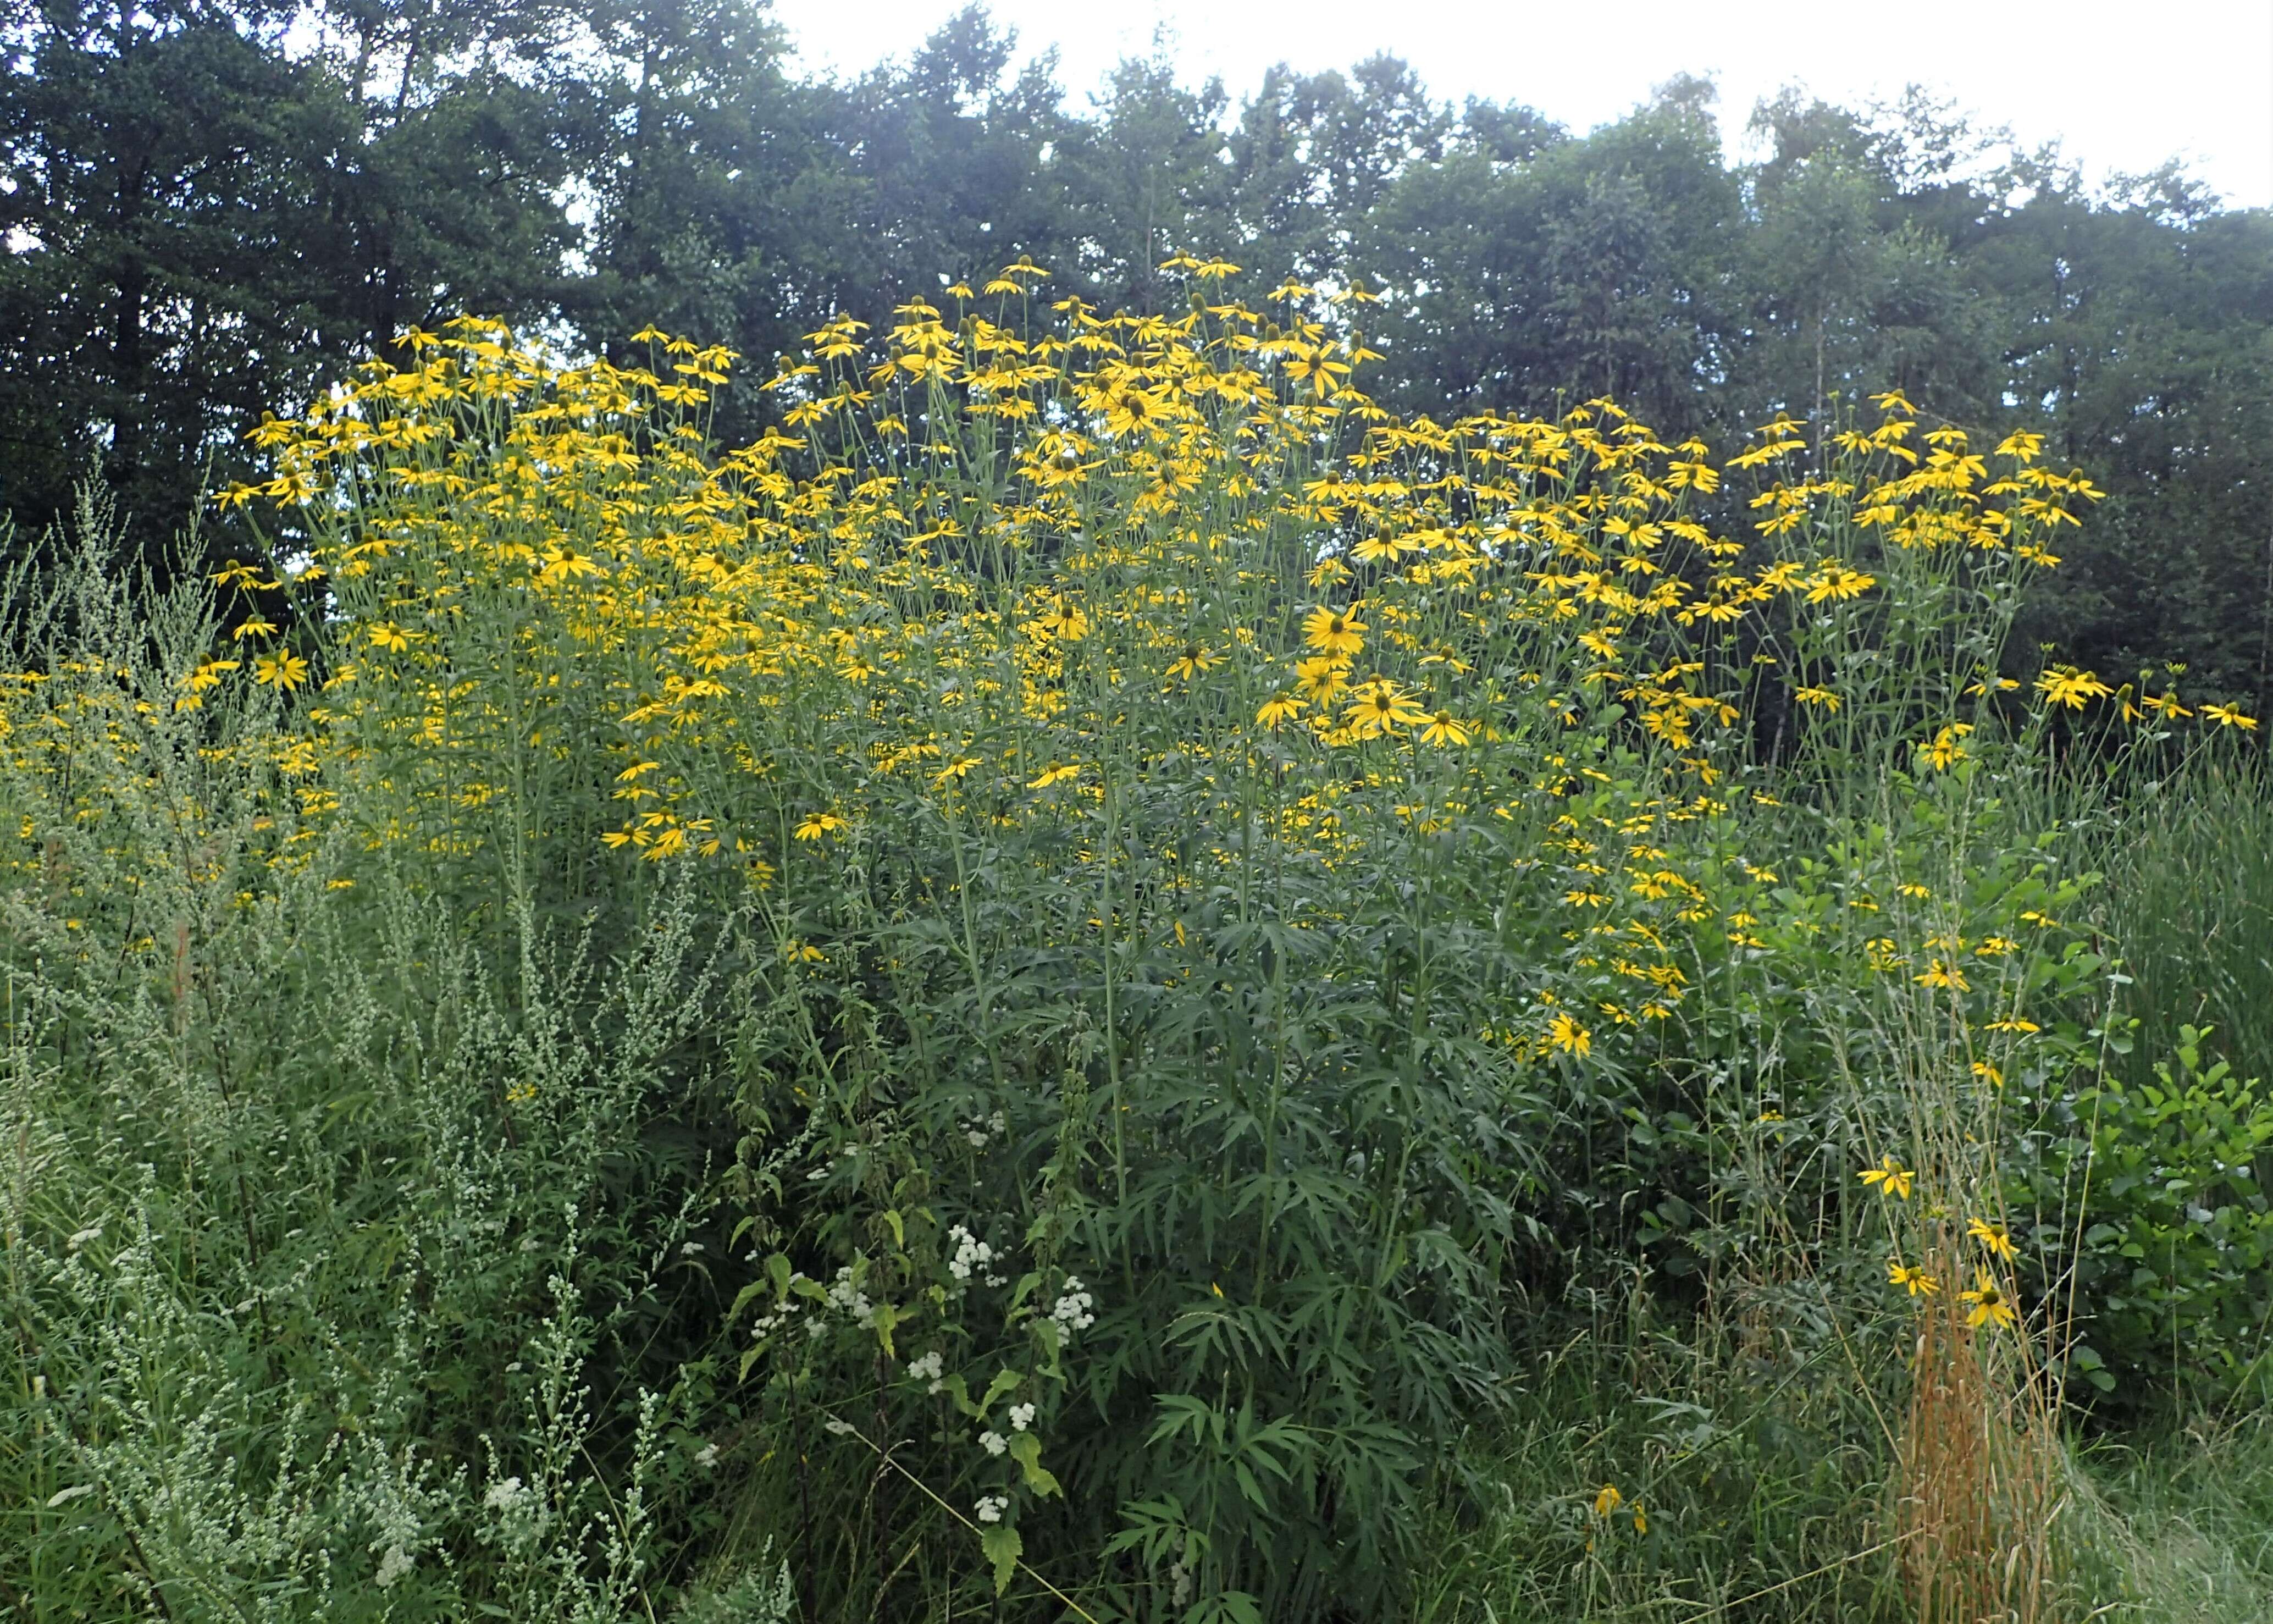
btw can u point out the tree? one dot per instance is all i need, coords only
(150, 307)
(207, 220)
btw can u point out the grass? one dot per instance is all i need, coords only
(2190, 886)
(1773, 1502)
(1752, 1479)
(2178, 1523)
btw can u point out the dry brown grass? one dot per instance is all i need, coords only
(1981, 1473)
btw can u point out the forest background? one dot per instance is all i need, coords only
(213, 208)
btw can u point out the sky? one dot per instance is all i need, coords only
(2123, 85)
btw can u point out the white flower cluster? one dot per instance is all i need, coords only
(522, 1514)
(980, 1132)
(843, 1297)
(1022, 1416)
(993, 1441)
(927, 1368)
(1072, 1309)
(848, 1297)
(991, 1507)
(392, 1567)
(971, 1254)
(785, 1311)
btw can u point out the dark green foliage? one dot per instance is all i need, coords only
(2164, 1186)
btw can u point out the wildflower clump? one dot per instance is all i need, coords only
(1201, 858)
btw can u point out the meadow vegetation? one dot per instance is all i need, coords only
(1099, 980)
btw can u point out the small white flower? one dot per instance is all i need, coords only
(392, 1567)
(971, 1253)
(1072, 1309)
(1022, 1416)
(83, 1236)
(927, 1367)
(848, 1297)
(978, 1139)
(505, 1495)
(707, 1456)
(993, 1441)
(991, 1507)
(690, 1249)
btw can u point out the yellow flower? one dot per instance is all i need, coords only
(565, 563)
(1054, 775)
(1940, 975)
(956, 769)
(1282, 708)
(2064, 685)
(207, 675)
(1322, 680)
(1195, 660)
(1822, 696)
(1916, 1281)
(1380, 707)
(1443, 729)
(2229, 716)
(286, 670)
(1987, 1302)
(1993, 1236)
(818, 825)
(1946, 752)
(1608, 1500)
(1839, 584)
(1890, 1177)
(1569, 1036)
(1335, 631)
(1374, 549)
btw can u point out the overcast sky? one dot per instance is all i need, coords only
(2122, 85)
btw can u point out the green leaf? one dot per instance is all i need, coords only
(1026, 1449)
(1005, 1381)
(742, 1299)
(1002, 1547)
